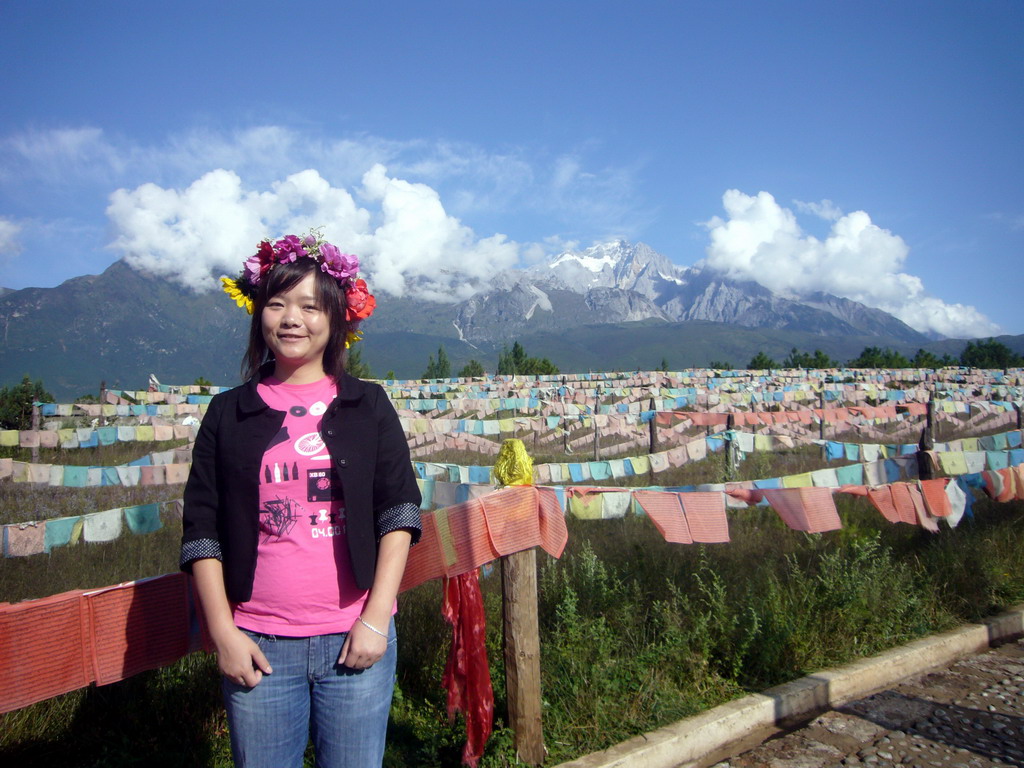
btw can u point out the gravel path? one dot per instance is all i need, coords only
(969, 715)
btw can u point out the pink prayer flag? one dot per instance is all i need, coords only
(805, 509)
(928, 522)
(904, 503)
(666, 513)
(935, 499)
(705, 516)
(881, 499)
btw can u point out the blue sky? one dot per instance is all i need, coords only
(868, 149)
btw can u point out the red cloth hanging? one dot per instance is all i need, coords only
(467, 675)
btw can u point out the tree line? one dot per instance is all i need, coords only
(511, 362)
(987, 353)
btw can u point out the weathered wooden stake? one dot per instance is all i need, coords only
(926, 443)
(597, 434)
(730, 448)
(821, 424)
(103, 399)
(565, 423)
(522, 654)
(35, 428)
(653, 428)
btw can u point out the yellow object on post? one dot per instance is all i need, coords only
(513, 465)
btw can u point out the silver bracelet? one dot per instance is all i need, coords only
(371, 627)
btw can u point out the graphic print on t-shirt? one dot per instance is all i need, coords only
(298, 483)
(278, 517)
(322, 485)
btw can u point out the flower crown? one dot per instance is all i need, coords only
(343, 267)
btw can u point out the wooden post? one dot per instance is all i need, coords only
(821, 424)
(597, 434)
(654, 428)
(565, 423)
(730, 449)
(103, 399)
(522, 654)
(926, 443)
(1017, 408)
(522, 641)
(35, 428)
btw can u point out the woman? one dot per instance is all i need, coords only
(300, 509)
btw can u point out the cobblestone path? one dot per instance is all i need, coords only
(969, 715)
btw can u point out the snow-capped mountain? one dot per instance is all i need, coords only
(618, 282)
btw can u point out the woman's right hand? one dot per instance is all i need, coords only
(239, 659)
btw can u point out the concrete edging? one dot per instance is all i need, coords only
(686, 742)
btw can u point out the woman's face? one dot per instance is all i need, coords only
(296, 328)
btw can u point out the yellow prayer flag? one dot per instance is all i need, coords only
(803, 480)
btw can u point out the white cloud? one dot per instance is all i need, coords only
(417, 247)
(408, 243)
(58, 156)
(10, 244)
(826, 209)
(760, 240)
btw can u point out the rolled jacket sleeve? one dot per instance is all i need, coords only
(200, 538)
(396, 495)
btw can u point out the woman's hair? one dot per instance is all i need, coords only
(329, 296)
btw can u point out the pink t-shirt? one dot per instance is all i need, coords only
(303, 583)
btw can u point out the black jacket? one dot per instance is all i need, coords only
(368, 449)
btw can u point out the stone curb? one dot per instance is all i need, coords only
(686, 742)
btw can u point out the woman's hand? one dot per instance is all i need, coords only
(363, 647)
(239, 659)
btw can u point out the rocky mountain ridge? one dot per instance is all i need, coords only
(621, 282)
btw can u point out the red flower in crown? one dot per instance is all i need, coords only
(361, 302)
(257, 265)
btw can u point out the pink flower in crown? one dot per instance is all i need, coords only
(257, 265)
(340, 266)
(288, 249)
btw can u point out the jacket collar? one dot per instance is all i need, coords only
(350, 390)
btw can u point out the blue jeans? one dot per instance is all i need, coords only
(345, 710)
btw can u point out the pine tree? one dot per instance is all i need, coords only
(16, 403)
(516, 362)
(355, 366)
(444, 367)
(873, 357)
(761, 362)
(989, 354)
(472, 369)
(439, 369)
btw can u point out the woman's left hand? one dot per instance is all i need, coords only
(363, 647)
